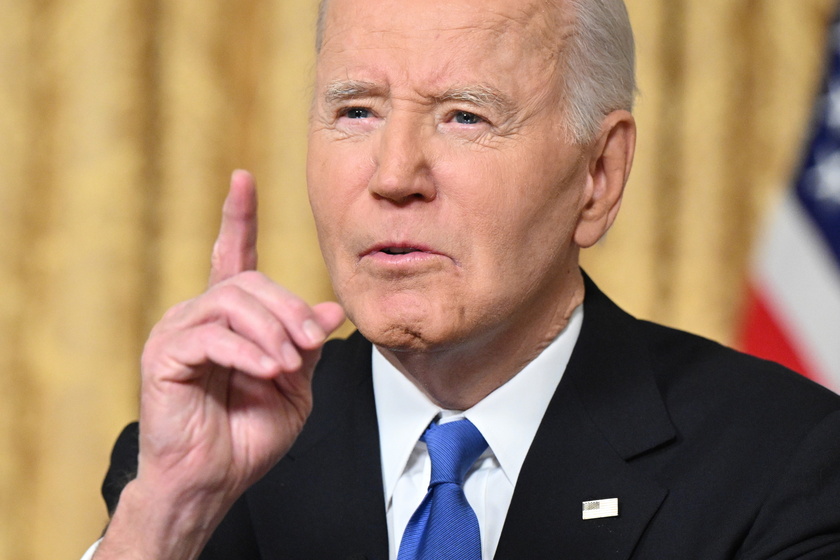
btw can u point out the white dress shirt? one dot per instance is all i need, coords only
(508, 419)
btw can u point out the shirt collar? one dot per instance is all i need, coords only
(508, 417)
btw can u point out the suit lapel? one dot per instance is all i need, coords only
(327, 492)
(606, 412)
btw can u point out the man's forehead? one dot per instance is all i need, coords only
(499, 55)
(543, 21)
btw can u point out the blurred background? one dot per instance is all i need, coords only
(121, 120)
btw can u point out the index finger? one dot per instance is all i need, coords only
(235, 249)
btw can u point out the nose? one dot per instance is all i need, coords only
(403, 170)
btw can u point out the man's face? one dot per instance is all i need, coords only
(444, 190)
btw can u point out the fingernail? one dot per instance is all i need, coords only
(290, 355)
(313, 331)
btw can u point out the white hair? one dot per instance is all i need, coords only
(599, 64)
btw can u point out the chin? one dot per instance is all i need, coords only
(401, 329)
(398, 339)
(395, 334)
(400, 318)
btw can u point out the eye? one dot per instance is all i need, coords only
(465, 117)
(357, 113)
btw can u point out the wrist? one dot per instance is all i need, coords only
(153, 523)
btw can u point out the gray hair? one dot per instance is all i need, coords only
(600, 72)
(600, 63)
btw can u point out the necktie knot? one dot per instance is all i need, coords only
(453, 448)
(444, 526)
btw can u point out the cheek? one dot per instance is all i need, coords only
(508, 197)
(337, 173)
(520, 222)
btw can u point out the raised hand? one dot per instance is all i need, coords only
(226, 389)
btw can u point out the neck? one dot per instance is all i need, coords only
(458, 377)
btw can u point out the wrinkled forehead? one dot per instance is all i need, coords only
(542, 24)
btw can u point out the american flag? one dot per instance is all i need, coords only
(793, 311)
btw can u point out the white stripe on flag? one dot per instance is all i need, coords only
(799, 276)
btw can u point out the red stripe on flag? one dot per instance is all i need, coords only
(762, 335)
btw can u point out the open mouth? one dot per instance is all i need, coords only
(396, 249)
(399, 250)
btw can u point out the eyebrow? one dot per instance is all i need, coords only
(345, 90)
(480, 95)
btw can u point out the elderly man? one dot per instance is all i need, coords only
(494, 403)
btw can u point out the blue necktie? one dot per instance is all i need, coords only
(444, 526)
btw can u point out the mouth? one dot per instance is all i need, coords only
(398, 249)
(403, 257)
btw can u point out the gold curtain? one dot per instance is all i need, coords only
(121, 120)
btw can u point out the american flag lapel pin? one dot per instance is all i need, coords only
(598, 509)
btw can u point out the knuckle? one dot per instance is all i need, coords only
(175, 311)
(150, 351)
(218, 344)
(227, 295)
(245, 349)
(252, 278)
(154, 352)
(203, 339)
(275, 331)
(297, 307)
(209, 334)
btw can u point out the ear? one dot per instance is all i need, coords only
(611, 157)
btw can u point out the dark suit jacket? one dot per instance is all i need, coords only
(711, 454)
